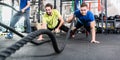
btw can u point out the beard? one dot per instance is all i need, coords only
(49, 13)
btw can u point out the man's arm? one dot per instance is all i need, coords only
(70, 18)
(93, 31)
(92, 26)
(44, 26)
(61, 22)
(18, 2)
(27, 6)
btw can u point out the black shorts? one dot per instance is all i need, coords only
(79, 25)
(63, 27)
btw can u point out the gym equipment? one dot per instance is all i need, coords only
(96, 16)
(111, 18)
(12, 49)
(4, 4)
(117, 16)
(99, 30)
(101, 16)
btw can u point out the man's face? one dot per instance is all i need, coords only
(48, 10)
(83, 10)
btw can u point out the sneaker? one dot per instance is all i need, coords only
(9, 36)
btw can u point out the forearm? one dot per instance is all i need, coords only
(27, 6)
(61, 23)
(70, 18)
(93, 32)
(43, 26)
(18, 2)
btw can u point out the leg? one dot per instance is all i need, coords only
(27, 22)
(13, 21)
(64, 28)
(87, 31)
(77, 26)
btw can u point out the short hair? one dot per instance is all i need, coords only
(83, 4)
(49, 5)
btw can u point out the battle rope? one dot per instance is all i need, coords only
(12, 49)
(4, 4)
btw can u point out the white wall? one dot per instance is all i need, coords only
(113, 7)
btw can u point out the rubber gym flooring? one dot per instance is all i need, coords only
(78, 48)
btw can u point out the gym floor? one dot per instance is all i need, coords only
(78, 48)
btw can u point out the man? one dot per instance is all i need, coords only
(24, 11)
(52, 20)
(86, 19)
